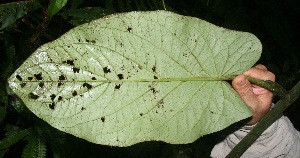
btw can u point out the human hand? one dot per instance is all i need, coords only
(258, 98)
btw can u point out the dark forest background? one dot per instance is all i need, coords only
(33, 23)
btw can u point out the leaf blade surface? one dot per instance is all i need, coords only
(138, 76)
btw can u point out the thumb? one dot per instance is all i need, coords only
(244, 89)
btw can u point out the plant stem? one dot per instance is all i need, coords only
(270, 85)
(265, 122)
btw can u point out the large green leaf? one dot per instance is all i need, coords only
(138, 76)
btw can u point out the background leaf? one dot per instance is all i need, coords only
(56, 5)
(138, 76)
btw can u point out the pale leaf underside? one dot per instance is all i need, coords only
(138, 76)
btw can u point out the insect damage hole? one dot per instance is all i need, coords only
(106, 70)
(41, 84)
(118, 86)
(103, 118)
(19, 77)
(38, 76)
(33, 96)
(74, 93)
(120, 76)
(52, 96)
(129, 29)
(52, 105)
(76, 70)
(61, 77)
(88, 86)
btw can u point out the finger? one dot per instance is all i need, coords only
(260, 73)
(261, 67)
(244, 89)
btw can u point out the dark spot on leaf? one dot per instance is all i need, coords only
(74, 93)
(82, 108)
(93, 41)
(75, 70)
(41, 84)
(185, 54)
(118, 86)
(154, 91)
(155, 77)
(38, 76)
(141, 114)
(121, 44)
(120, 76)
(19, 77)
(30, 78)
(23, 85)
(140, 67)
(59, 84)
(106, 70)
(61, 77)
(160, 103)
(33, 96)
(52, 105)
(88, 86)
(102, 118)
(154, 69)
(59, 98)
(52, 96)
(94, 78)
(70, 62)
(129, 29)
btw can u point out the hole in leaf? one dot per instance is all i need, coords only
(155, 77)
(129, 29)
(120, 76)
(41, 84)
(52, 105)
(23, 85)
(61, 77)
(82, 108)
(70, 62)
(59, 84)
(76, 70)
(154, 69)
(59, 98)
(19, 77)
(94, 78)
(30, 78)
(33, 96)
(38, 76)
(118, 86)
(106, 70)
(74, 93)
(102, 118)
(52, 96)
(88, 86)
(141, 114)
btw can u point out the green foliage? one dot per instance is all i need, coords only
(13, 138)
(55, 6)
(36, 145)
(11, 12)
